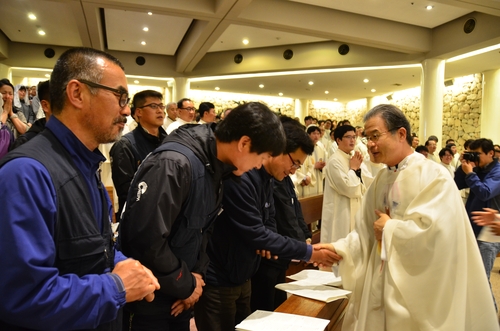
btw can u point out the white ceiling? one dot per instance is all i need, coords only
(199, 38)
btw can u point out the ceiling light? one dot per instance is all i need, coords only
(311, 82)
(32, 16)
(41, 32)
(136, 81)
(47, 75)
(326, 92)
(474, 53)
(429, 7)
(366, 80)
(335, 99)
(261, 85)
(217, 88)
(143, 43)
(145, 29)
(245, 41)
(373, 90)
(150, 13)
(280, 94)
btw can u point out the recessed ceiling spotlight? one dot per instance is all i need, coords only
(280, 94)
(143, 43)
(326, 92)
(136, 81)
(245, 41)
(32, 16)
(47, 75)
(145, 29)
(217, 88)
(261, 85)
(150, 13)
(335, 99)
(311, 83)
(429, 7)
(366, 80)
(373, 90)
(41, 32)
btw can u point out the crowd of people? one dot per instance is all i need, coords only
(209, 212)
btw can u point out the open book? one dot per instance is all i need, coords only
(265, 320)
(317, 292)
(317, 277)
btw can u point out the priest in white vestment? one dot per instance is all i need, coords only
(412, 262)
(346, 180)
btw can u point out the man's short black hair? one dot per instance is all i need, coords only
(421, 148)
(434, 138)
(450, 145)
(296, 137)
(139, 99)
(342, 130)
(307, 118)
(181, 101)
(467, 143)
(76, 63)
(204, 107)
(44, 91)
(393, 117)
(443, 151)
(428, 141)
(313, 127)
(486, 145)
(256, 121)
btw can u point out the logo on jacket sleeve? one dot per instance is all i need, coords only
(141, 189)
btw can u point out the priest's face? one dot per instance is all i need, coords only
(387, 147)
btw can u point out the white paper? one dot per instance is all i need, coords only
(488, 235)
(317, 277)
(265, 320)
(304, 288)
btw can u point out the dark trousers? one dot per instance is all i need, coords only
(222, 308)
(164, 322)
(264, 295)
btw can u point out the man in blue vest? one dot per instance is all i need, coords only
(60, 267)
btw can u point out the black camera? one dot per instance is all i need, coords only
(471, 157)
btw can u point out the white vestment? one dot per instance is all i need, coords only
(316, 175)
(342, 196)
(174, 125)
(433, 277)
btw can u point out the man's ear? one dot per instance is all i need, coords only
(74, 93)
(244, 144)
(402, 133)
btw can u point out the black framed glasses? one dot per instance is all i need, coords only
(189, 109)
(122, 94)
(295, 165)
(154, 106)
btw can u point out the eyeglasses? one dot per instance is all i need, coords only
(154, 106)
(295, 165)
(376, 136)
(189, 109)
(122, 94)
(497, 150)
(349, 137)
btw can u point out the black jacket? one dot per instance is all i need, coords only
(166, 222)
(126, 155)
(35, 129)
(247, 224)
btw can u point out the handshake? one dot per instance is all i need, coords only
(323, 255)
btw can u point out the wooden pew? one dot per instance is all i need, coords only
(311, 209)
(333, 311)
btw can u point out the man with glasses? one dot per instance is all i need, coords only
(346, 180)
(186, 113)
(480, 172)
(246, 225)
(446, 157)
(128, 152)
(56, 241)
(412, 261)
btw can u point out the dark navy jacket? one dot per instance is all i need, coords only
(247, 224)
